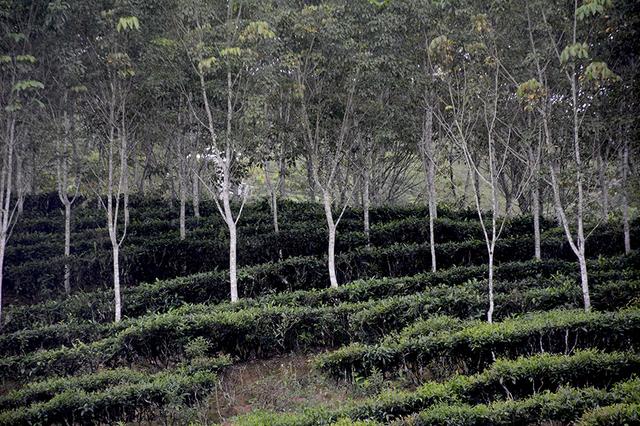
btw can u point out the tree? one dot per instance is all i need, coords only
(326, 77)
(567, 59)
(111, 96)
(221, 57)
(18, 93)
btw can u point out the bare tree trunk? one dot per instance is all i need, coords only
(67, 248)
(366, 202)
(535, 199)
(625, 197)
(326, 198)
(124, 168)
(3, 245)
(534, 162)
(20, 187)
(428, 159)
(195, 194)
(116, 281)
(233, 235)
(6, 213)
(490, 287)
(183, 207)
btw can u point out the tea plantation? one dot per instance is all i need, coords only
(400, 344)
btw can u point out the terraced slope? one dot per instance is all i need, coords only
(419, 336)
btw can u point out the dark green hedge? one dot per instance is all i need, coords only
(290, 274)
(268, 330)
(616, 414)
(112, 396)
(478, 343)
(565, 406)
(36, 270)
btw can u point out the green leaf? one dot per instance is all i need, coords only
(81, 88)
(256, 31)
(207, 64)
(26, 58)
(27, 85)
(574, 51)
(230, 51)
(127, 23)
(163, 42)
(599, 72)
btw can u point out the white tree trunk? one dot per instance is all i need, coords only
(195, 188)
(584, 280)
(535, 201)
(233, 236)
(326, 198)
(183, 209)
(429, 164)
(116, 281)
(3, 244)
(625, 197)
(491, 302)
(233, 275)
(366, 202)
(67, 248)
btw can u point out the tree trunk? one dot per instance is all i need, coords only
(429, 164)
(333, 280)
(584, 281)
(491, 302)
(366, 202)
(580, 201)
(233, 236)
(535, 201)
(183, 208)
(67, 248)
(233, 276)
(116, 280)
(625, 197)
(274, 210)
(195, 188)
(3, 244)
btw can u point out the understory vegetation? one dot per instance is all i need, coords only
(394, 343)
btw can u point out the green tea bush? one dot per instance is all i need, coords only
(478, 343)
(566, 405)
(262, 330)
(111, 396)
(616, 414)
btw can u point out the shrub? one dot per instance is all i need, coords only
(565, 405)
(478, 343)
(616, 414)
(109, 397)
(263, 331)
